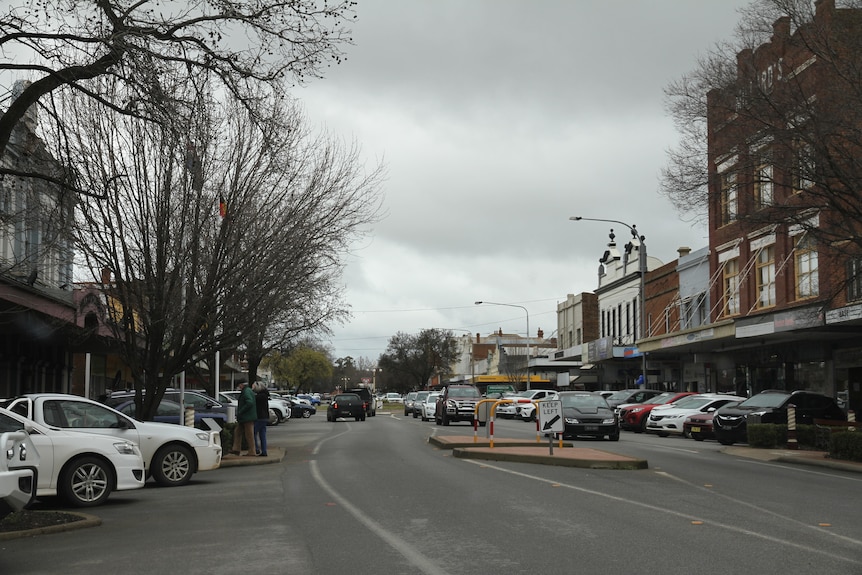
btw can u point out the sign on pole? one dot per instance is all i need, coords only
(550, 414)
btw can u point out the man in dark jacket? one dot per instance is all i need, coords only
(262, 401)
(246, 414)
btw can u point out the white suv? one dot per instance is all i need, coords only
(511, 410)
(172, 453)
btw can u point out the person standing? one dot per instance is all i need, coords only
(246, 414)
(262, 401)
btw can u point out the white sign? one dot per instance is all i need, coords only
(550, 414)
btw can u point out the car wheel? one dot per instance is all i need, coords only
(274, 418)
(423, 417)
(725, 441)
(614, 437)
(642, 426)
(415, 415)
(86, 482)
(662, 433)
(362, 418)
(306, 413)
(697, 436)
(172, 466)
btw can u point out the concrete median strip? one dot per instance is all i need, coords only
(527, 451)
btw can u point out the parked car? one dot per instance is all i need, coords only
(588, 415)
(700, 426)
(81, 468)
(170, 412)
(771, 407)
(633, 416)
(197, 400)
(19, 471)
(428, 406)
(457, 402)
(668, 419)
(301, 410)
(631, 396)
(171, 453)
(279, 409)
(312, 399)
(346, 405)
(417, 403)
(365, 394)
(527, 411)
(510, 410)
(393, 397)
(408, 402)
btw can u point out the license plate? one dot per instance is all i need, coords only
(695, 430)
(591, 428)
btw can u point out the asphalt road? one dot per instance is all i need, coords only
(374, 498)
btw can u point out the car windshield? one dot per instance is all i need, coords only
(432, 398)
(661, 398)
(765, 400)
(693, 402)
(463, 392)
(584, 400)
(624, 394)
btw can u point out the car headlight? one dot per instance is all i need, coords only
(609, 421)
(636, 409)
(571, 420)
(203, 436)
(126, 448)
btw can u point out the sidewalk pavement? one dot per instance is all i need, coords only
(273, 455)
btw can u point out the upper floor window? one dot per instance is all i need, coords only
(729, 201)
(807, 276)
(854, 279)
(803, 166)
(730, 297)
(763, 196)
(766, 277)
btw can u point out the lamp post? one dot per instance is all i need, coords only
(528, 330)
(642, 268)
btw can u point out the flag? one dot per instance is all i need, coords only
(222, 206)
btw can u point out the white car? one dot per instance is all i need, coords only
(510, 410)
(428, 406)
(82, 468)
(527, 411)
(172, 453)
(19, 471)
(279, 409)
(393, 397)
(668, 419)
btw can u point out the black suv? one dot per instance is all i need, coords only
(367, 397)
(729, 423)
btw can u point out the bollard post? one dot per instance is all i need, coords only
(791, 427)
(851, 418)
(190, 417)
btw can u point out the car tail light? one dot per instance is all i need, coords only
(334, 405)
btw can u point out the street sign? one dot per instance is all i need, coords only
(550, 416)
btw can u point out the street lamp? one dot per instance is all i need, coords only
(642, 268)
(528, 330)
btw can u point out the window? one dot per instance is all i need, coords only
(854, 279)
(763, 186)
(729, 209)
(731, 288)
(803, 167)
(766, 277)
(807, 277)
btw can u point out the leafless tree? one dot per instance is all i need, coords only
(187, 280)
(251, 49)
(798, 119)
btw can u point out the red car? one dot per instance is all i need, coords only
(633, 416)
(699, 426)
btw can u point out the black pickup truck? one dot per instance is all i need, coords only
(346, 405)
(367, 397)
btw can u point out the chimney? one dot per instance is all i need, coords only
(683, 251)
(541, 334)
(106, 275)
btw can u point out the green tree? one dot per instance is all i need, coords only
(411, 360)
(308, 369)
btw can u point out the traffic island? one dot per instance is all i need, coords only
(525, 451)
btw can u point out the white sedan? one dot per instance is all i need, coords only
(81, 468)
(428, 406)
(668, 419)
(172, 453)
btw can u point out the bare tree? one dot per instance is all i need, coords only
(249, 48)
(794, 107)
(188, 280)
(411, 360)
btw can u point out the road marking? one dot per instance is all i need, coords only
(853, 560)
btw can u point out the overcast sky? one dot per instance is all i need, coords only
(497, 120)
